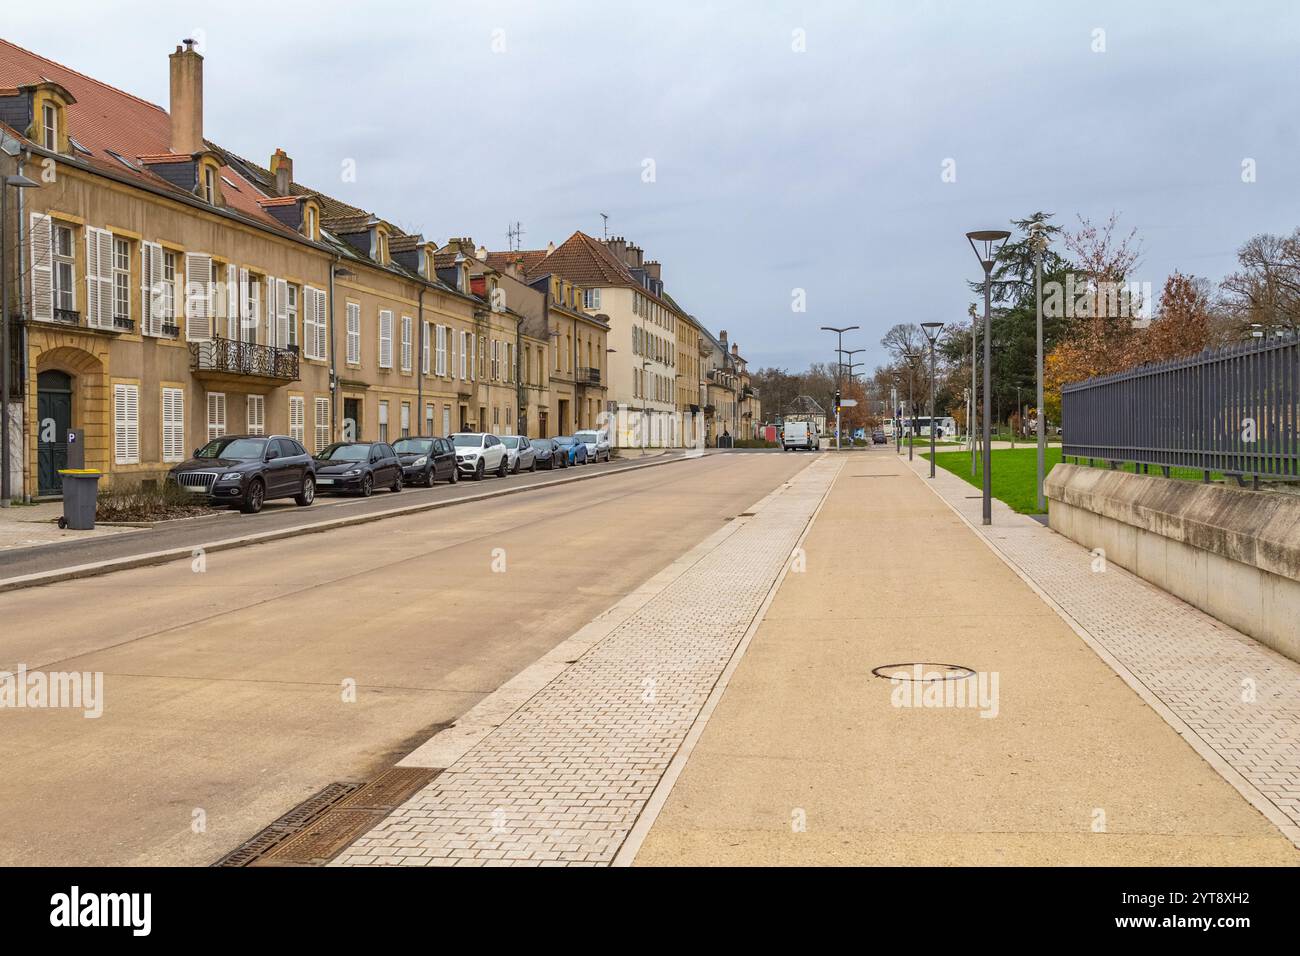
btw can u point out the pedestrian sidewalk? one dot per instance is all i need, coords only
(26, 526)
(1072, 755)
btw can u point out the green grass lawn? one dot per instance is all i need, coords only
(1014, 473)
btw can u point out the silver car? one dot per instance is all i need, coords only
(520, 454)
(597, 443)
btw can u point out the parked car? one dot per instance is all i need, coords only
(575, 452)
(549, 454)
(878, 437)
(426, 460)
(248, 470)
(597, 443)
(519, 453)
(359, 466)
(477, 453)
(800, 435)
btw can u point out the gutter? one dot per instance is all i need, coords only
(334, 374)
(419, 361)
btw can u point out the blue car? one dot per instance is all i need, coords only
(574, 450)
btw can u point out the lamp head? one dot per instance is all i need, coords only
(986, 243)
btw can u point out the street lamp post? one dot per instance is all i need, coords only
(932, 330)
(974, 393)
(911, 358)
(990, 242)
(839, 348)
(17, 182)
(1038, 241)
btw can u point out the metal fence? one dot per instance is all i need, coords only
(1232, 410)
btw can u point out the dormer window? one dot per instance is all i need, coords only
(310, 223)
(380, 249)
(50, 126)
(209, 185)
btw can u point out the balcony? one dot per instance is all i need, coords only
(587, 376)
(229, 361)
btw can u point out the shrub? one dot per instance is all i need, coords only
(147, 501)
(754, 443)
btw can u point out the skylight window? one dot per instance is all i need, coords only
(122, 159)
(230, 184)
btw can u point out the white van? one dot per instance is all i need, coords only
(800, 435)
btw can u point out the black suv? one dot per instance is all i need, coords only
(248, 470)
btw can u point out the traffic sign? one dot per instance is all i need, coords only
(849, 403)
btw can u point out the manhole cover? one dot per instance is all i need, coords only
(923, 671)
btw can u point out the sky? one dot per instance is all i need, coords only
(767, 153)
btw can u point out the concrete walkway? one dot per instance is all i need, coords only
(808, 758)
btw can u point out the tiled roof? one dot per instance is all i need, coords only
(527, 259)
(404, 243)
(106, 120)
(583, 260)
(347, 225)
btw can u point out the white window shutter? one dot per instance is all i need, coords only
(126, 424)
(297, 418)
(281, 313)
(353, 333)
(321, 324)
(216, 415)
(104, 239)
(406, 343)
(42, 243)
(173, 435)
(270, 302)
(198, 298)
(426, 347)
(242, 307)
(92, 279)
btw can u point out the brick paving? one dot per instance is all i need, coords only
(1240, 699)
(562, 780)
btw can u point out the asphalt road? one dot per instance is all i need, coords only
(275, 515)
(225, 685)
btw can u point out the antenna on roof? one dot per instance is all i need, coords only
(605, 227)
(514, 236)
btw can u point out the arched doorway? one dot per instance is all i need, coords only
(53, 420)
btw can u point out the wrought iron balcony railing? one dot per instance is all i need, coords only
(232, 357)
(588, 376)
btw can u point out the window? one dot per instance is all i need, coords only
(464, 353)
(383, 421)
(256, 415)
(216, 415)
(322, 423)
(311, 222)
(121, 281)
(440, 366)
(354, 333)
(126, 424)
(496, 359)
(169, 294)
(426, 346)
(253, 307)
(173, 424)
(65, 297)
(385, 339)
(428, 418)
(297, 425)
(50, 126)
(496, 416)
(406, 419)
(291, 306)
(406, 343)
(313, 323)
(209, 185)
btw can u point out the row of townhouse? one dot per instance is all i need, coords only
(165, 291)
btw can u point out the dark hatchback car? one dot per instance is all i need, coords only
(426, 460)
(249, 470)
(358, 466)
(548, 453)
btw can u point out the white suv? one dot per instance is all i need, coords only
(477, 453)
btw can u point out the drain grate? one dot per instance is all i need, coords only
(923, 671)
(287, 825)
(389, 790)
(323, 838)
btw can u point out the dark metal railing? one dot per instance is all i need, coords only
(244, 358)
(588, 376)
(1232, 410)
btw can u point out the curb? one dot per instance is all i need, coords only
(172, 554)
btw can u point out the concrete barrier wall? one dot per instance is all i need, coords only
(1232, 552)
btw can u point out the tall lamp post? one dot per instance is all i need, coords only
(1038, 242)
(932, 330)
(839, 366)
(985, 244)
(972, 415)
(911, 358)
(17, 182)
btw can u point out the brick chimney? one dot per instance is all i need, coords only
(282, 170)
(652, 267)
(618, 246)
(634, 257)
(722, 338)
(186, 105)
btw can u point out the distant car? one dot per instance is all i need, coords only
(248, 471)
(878, 437)
(359, 467)
(477, 453)
(520, 454)
(426, 460)
(548, 454)
(575, 451)
(800, 435)
(597, 443)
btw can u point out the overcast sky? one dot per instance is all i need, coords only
(773, 169)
